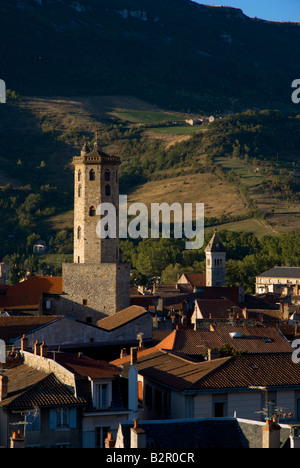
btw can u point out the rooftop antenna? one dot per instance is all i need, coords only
(25, 423)
(140, 338)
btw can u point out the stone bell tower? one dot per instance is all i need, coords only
(97, 283)
(215, 253)
(96, 182)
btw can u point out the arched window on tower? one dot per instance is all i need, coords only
(92, 211)
(79, 191)
(107, 190)
(79, 175)
(92, 174)
(79, 233)
(107, 175)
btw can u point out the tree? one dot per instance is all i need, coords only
(32, 265)
(171, 274)
(17, 269)
(227, 350)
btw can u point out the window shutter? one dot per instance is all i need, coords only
(52, 417)
(73, 418)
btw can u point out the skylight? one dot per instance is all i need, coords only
(235, 335)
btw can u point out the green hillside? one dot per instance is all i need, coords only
(174, 53)
(135, 70)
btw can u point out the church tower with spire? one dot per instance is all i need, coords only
(97, 283)
(215, 254)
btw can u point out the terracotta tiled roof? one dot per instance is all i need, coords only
(187, 343)
(14, 327)
(216, 308)
(86, 367)
(167, 343)
(237, 372)
(174, 371)
(28, 387)
(28, 293)
(253, 340)
(256, 370)
(196, 279)
(121, 318)
(231, 293)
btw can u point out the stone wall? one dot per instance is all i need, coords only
(49, 366)
(94, 290)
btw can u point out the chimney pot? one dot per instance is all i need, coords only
(17, 440)
(3, 387)
(24, 343)
(109, 441)
(271, 434)
(37, 348)
(44, 350)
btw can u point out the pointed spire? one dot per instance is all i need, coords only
(215, 244)
(85, 149)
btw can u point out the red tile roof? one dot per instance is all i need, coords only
(253, 370)
(216, 308)
(236, 372)
(28, 293)
(195, 343)
(196, 279)
(254, 340)
(167, 343)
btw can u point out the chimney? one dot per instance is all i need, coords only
(3, 387)
(295, 437)
(245, 313)
(133, 356)
(271, 434)
(137, 436)
(133, 384)
(212, 354)
(37, 348)
(44, 350)
(17, 441)
(285, 311)
(24, 343)
(109, 441)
